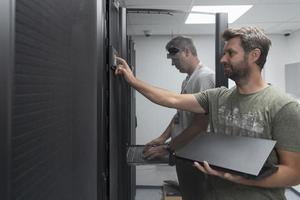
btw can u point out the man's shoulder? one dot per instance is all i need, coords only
(277, 95)
(205, 77)
(275, 99)
(204, 71)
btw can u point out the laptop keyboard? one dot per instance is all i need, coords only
(135, 154)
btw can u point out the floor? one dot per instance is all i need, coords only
(156, 193)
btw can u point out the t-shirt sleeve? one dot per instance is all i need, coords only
(202, 98)
(286, 127)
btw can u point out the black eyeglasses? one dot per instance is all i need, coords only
(172, 51)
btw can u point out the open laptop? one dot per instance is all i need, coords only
(239, 155)
(135, 156)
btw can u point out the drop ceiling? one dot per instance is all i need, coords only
(274, 16)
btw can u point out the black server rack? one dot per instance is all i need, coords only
(120, 174)
(6, 73)
(65, 117)
(114, 112)
(49, 99)
(103, 102)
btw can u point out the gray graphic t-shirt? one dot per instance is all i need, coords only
(267, 114)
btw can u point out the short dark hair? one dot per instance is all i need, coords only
(182, 42)
(251, 38)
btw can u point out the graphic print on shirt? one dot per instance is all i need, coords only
(233, 122)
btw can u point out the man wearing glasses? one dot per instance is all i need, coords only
(184, 125)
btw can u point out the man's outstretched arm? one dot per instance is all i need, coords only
(158, 95)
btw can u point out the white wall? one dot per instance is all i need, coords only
(293, 42)
(284, 50)
(153, 67)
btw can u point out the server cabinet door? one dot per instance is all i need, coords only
(6, 74)
(118, 108)
(103, 102)
(54, 101)
(115, 104)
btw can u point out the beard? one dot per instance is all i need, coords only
(237, 71)
(179, 66)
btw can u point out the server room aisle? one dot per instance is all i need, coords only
(156, 194)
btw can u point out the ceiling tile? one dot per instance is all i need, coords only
(274, 16)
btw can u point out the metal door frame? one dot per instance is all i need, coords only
(7, 21)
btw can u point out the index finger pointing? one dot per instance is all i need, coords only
(120, 59)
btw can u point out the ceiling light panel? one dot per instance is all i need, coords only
(205, 14)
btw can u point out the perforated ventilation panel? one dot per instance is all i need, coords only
(42, 101)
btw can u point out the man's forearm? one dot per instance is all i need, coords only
(288, 172)
(167, 133)
(183, 138)
(198, 125)
(284, 177)
(167, 98)
(155, 94)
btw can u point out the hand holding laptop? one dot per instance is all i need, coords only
(205, 168)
